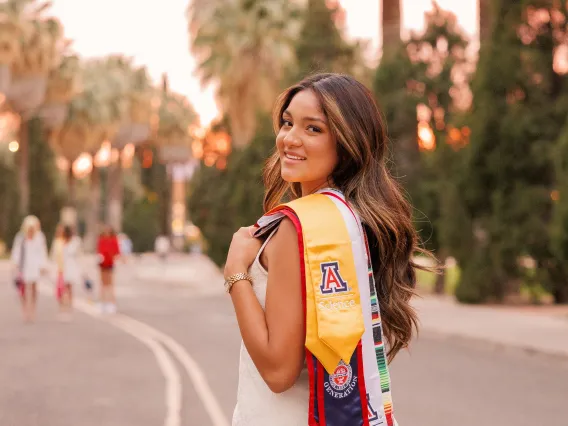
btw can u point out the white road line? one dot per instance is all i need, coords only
(173, 378)
(173, 394)
(196, 375)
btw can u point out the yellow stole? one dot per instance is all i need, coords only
(334, 318)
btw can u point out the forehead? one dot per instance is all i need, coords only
(305, 102)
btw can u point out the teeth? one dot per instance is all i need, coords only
(293, 157)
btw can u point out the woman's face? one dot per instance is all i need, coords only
(31, 232)
(307, 149)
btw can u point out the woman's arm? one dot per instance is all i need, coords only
(275, 339)
(16, 253)
(43, 256)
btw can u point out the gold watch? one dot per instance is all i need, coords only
(237, 277)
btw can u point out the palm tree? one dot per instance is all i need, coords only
(243, 47)
(39, 50)
(93, 116)
(390, 25)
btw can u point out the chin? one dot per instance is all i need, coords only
(290, 177)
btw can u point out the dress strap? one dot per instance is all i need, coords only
(257, 259)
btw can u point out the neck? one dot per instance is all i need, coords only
(312, 187)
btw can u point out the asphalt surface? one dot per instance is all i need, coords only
(91, 372)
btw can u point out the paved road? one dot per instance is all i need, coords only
(99, 372)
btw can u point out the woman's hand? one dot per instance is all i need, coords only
(243, 251)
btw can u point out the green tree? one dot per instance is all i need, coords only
(10, 217)
(516, 120)
(321, 46)
(417, 78)
(46, 199)
(141, 223)
(246, 46)
(221, 201)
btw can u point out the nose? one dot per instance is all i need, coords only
(291, 139)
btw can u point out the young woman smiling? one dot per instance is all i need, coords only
(309, 279)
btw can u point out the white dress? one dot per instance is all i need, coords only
(34, 252)
(72, 273)
(257, 405)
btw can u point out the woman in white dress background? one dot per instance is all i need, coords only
(30, 262)
(72, 271)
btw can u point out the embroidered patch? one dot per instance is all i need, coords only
(331, 280)
(342, 382)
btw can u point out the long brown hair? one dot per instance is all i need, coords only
(362, 175)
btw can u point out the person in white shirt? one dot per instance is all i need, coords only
(72, 271)
(162, 246)
(30, 261)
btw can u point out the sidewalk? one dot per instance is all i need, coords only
(536, 329)
(543, 330)
(521, 328)
(194, 270)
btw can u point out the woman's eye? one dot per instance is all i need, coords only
(314, 129)
(286, 123)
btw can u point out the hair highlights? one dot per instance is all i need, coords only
(361, 174)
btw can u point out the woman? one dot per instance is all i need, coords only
(56, 255)
(29, 257)
(313, 350)
(71, 272)
(108, 251)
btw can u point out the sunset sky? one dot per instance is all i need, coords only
(154, 32)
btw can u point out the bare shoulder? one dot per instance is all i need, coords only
(281, 246)
(284, 239)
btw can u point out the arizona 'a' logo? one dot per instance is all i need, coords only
(331, 281)
(373, 415)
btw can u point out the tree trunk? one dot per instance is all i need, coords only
(93, 214)
(560, 294)
(115, 193)
(440, 284)
(390, 25)
(71, 188)
(23, 168)
(485, 21)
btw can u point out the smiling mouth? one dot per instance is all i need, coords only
(294, 157)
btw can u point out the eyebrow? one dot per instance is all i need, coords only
(308, 118)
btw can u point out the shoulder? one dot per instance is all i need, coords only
(284, 242)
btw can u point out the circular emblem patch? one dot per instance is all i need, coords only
(341, 377)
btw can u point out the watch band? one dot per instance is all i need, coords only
(237, 277)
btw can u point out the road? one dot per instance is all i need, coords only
(114, 371)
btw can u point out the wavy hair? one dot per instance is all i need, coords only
(362, 175)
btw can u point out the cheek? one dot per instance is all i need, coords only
(327, 157)
(280, 141)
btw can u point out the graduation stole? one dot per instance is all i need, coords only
(345, 352)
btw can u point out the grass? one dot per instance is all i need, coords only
(426, 280)
(531, 290)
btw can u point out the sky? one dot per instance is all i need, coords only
(154, 33)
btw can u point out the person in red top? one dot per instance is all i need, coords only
(108, 250)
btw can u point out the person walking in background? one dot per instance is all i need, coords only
(56, 256)
(29, 257)
(108, 250)
(125, 245)
(162, 247)
(72, 274)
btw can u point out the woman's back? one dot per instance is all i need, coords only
(30, 255)
(71, 265)
(257, 405)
